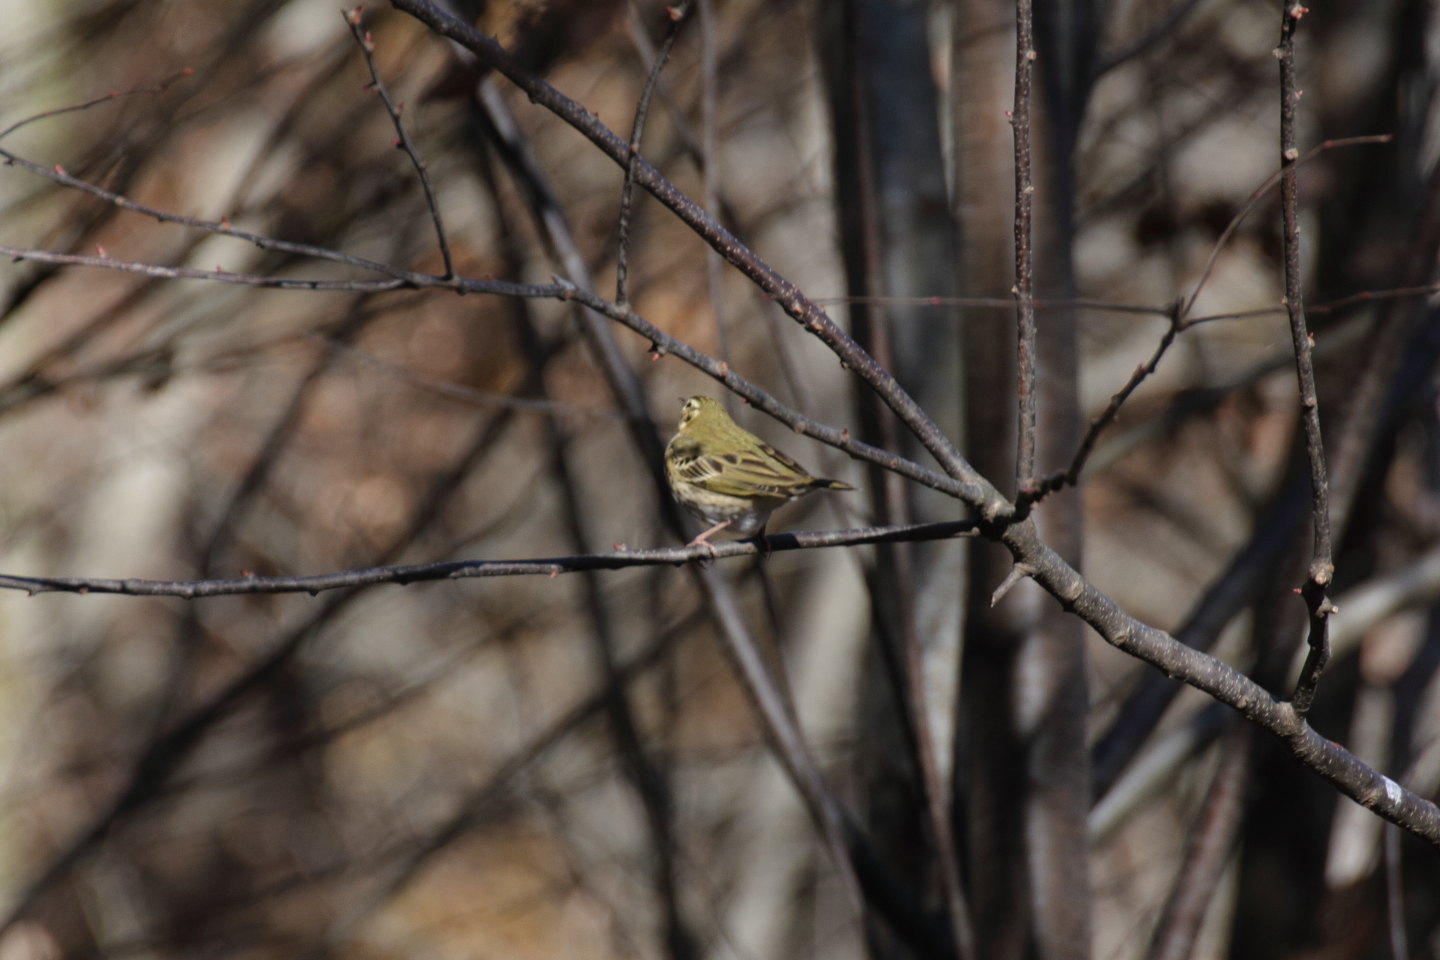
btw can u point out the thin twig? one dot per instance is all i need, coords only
(466, 569)
(367, 47)
(1071, 474)
(1322, 567)
(158, 272)
(110, 97)
(997, 303)
(224, 227)
(678, 13)
(1259, 194)
(1107, 306)
(1180, 320)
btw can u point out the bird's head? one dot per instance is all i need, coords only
(695, 408)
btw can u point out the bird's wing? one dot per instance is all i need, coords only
(761, 473)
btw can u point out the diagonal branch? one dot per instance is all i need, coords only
(1370, 789)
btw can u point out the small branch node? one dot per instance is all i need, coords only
(1017, 573)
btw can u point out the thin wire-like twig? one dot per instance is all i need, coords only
(1109, 306)
(224, 227)
(467, 569)
(678, 14)
(367, 47)
(159, 272)
(1258, 194)
(1180, 320)
(110, 97)
(1322, 567)
(1098, 424)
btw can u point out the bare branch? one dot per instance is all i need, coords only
(58, 175)
(110, 97)
(1223, 682)
(1024, 249)
(678, 15)
(367, 47)
(467, 569)
(1322, 566)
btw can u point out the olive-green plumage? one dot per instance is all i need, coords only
(727, 476)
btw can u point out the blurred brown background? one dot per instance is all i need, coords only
(566, 767)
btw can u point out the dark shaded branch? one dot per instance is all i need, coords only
(1208, 850)
(158, 272)
(1322, 567)
(1024, 248)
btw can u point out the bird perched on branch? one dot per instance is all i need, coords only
(727, 476)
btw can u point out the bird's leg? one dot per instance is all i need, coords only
(704, 538)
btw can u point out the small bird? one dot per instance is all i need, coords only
(729, 477)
